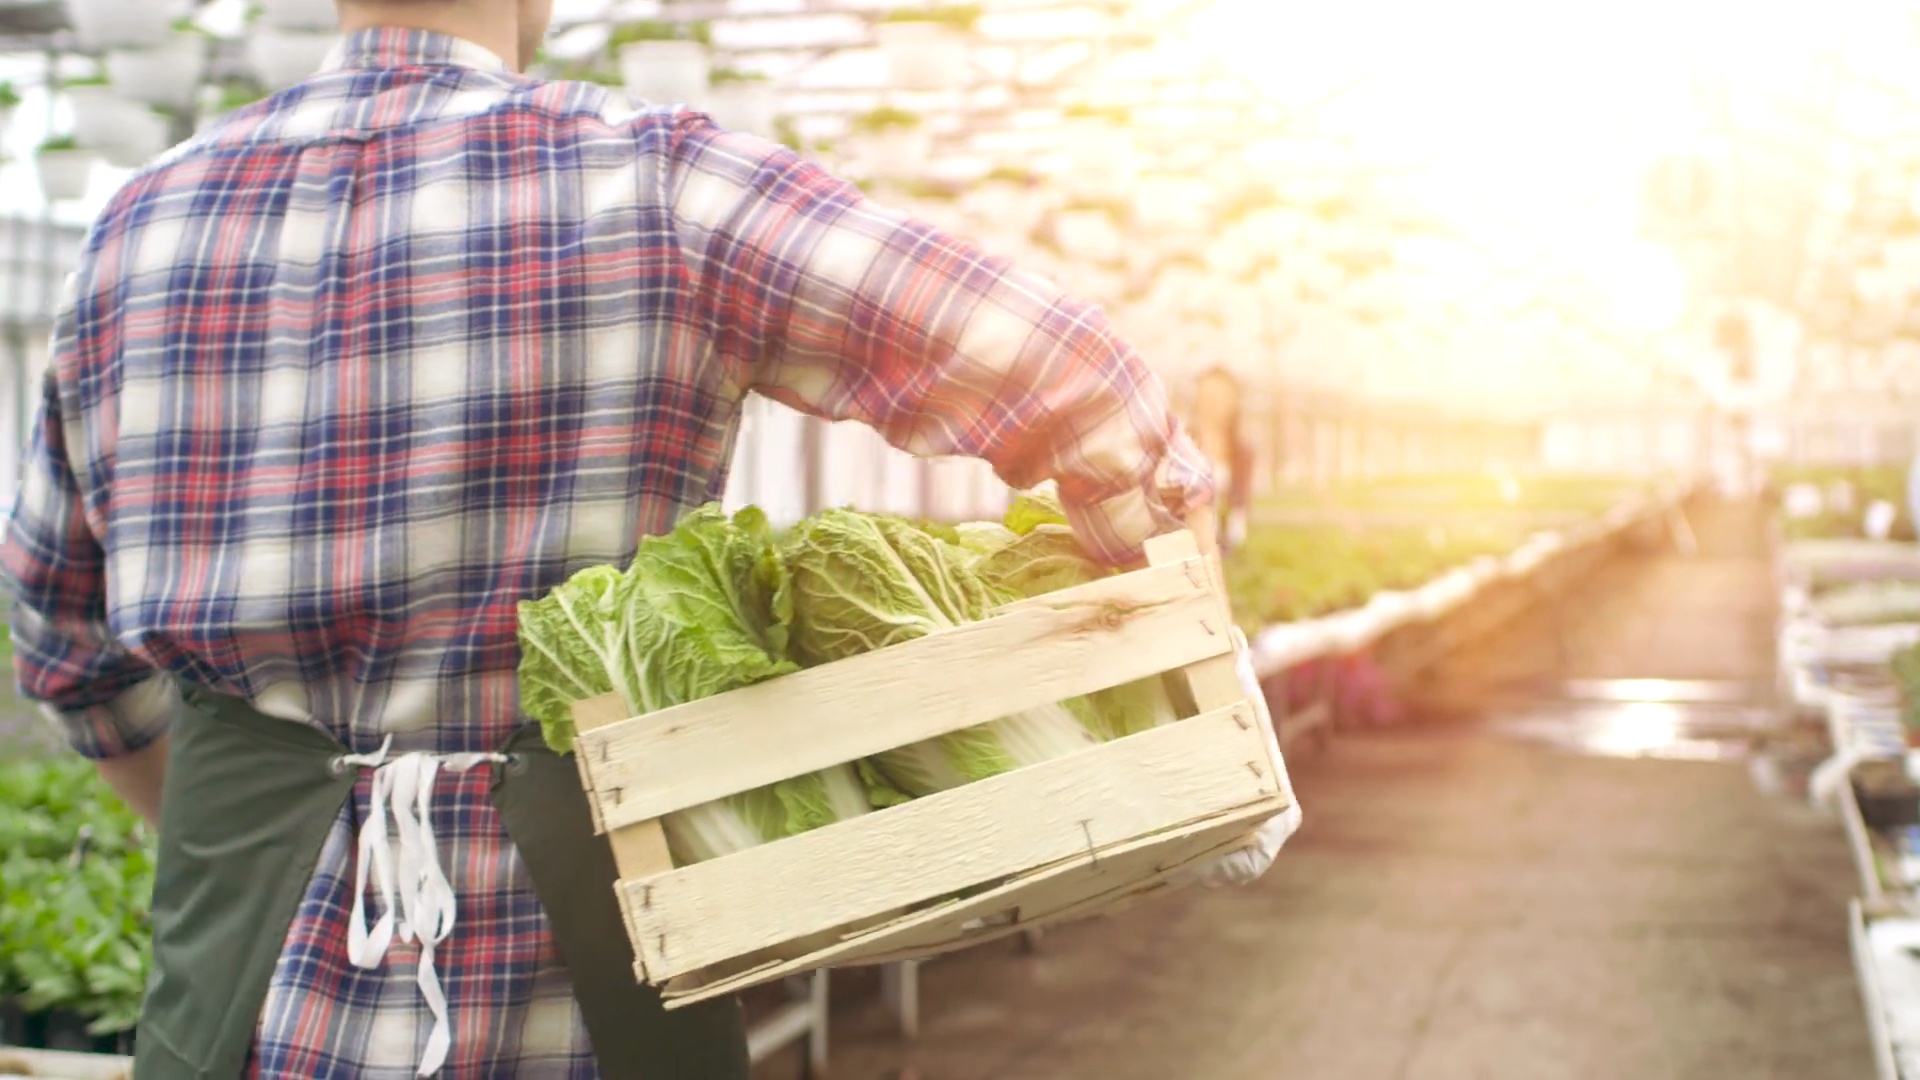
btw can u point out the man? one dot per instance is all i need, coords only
(345, 378)
(1216, 430)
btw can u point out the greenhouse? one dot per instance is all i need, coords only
(1025, 540)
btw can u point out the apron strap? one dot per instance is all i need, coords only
(634, 1036)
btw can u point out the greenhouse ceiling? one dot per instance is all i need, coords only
(1517, 204)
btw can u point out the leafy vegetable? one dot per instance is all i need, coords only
(76, 878)
(865, 581)
(1032, 509)
(1045, 560)
(702, 610)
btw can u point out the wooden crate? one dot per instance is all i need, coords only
(1052, 841)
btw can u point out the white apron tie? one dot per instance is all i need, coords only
(416, 903)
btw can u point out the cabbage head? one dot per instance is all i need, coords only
(866, 581)
(701, 610)
(1049, 558)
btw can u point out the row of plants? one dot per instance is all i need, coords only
(1284, 573)
(76, 878)
(1845, 493)
(1464, 493)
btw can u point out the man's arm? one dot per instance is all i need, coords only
(110, 705)
(831, 305)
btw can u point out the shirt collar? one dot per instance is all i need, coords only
(379, 47)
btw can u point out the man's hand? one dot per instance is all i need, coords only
(137, 778)
(1200, 522)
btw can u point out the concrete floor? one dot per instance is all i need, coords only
(1460, 904)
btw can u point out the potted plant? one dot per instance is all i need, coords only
(743, 101)
(299, 14)
(102, 119)
(663, 62)
(893, 143)
(166, 74)
(1906, 674)
(283, 58)
(217, 102)
(65, 168)
(109, 24)
(927, 48)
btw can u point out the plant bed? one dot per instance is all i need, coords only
(75, 880)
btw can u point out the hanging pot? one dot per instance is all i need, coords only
(665, 72)
(299, 14)
(744, 106)
(144, 137)
(924, 55)
(284, 58)
(108, 24)
(64, 174)
(167, 74)
(102, 118)
(896, 153)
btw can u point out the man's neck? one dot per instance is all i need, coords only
(489, 24)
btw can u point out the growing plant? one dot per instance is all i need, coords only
(9, 97)
(75, 880)
(958, 16)
(659, 30)
(238, 95)
(884, 118)
(60, 142)
(723, 75)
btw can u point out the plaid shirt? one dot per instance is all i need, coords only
(347, 376)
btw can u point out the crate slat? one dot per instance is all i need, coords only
(639, 851)
(754, 900)
(1042, 896)
(1038, 651)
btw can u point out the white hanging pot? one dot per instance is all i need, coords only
(924, 55)
(167, 74)
(141, 141)
(283, 58)
(749, 106)
(64, 174)
(108, 24)
(1105, 159)
(299, 14)
(665, 72)
(103, 119)
(896, 153)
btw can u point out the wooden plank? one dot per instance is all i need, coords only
(62, 1065)
(1039, 651)
(640, 849)
(939, 845)
(934, 931)
(1048, 898)
(1213, 682)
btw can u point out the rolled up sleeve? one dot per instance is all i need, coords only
(845, 310)
(106, 701)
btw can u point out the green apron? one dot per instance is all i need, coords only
(248, 802)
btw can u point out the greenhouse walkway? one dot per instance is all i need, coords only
(1461, 903)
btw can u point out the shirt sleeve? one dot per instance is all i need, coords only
(847, 311)
(106, 701)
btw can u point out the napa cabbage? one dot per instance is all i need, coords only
(704, 609)
(866, 581)
(1049, 558)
